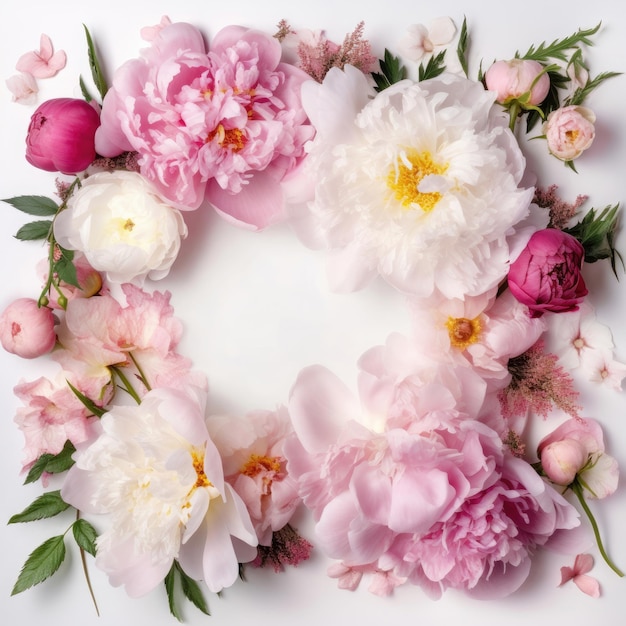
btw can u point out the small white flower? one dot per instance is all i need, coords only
(420, 41)
(122, 226)
(602, 368)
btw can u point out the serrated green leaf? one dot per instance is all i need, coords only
(34, 205)
(39, 229)
(64, 267)
(170, 589)
(85, 535)
(94, 64)
(391, 71)
(89, 404)
(433, 68)
(192, 591)
(51, 463)
(84, 90)
(557, 49)
(46, 505)
(42, 563)
(579, 96)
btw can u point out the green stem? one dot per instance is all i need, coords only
(142, 374)
(86, 573)
(578, 490)
(514, 110)
(126, 383)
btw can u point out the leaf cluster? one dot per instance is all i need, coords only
(46, 559)
(97, 74)
(596, 232)
(189, 587)
(434, 67)
(391, 71)
(51, 463)
(559, 47)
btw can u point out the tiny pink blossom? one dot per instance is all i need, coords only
(26, 329)
(582, 565)
(42, 63)
(23, 87)
(421, 41)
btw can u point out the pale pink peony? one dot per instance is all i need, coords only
(23, 87)
(42, 63)
(154, 471)
(51, 415)
(254, 464)
(569, 131)
(226, 125)
(27, 329)
(521, 80)
(575, 450)
(412, 503)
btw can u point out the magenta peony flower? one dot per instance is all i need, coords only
(513, 79)
(26, 329)
(569, 131)
(226, 124)
(61, 136)
(547, 274)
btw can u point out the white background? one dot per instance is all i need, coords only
(256, 308)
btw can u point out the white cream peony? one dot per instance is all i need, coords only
(122, 226)
(419, 183)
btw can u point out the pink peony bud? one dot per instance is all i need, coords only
(569, 131)
(562, 460)
(26, 329)
(512, 79)
(61, 136)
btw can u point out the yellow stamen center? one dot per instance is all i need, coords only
(463, 332)
(405, 179)
(232, 138)
(571, 135)
(128, 225)
(257, 464)
(198, 465)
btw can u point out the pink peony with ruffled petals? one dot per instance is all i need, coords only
(226, 125)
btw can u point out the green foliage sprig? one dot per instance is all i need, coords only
(391, 71)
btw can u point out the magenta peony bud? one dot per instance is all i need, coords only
(512, 79)
(27, 329)
(61, 136)
(547, 274)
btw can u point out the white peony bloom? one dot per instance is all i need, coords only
(422, 187)
(157, 474)
(122, 226)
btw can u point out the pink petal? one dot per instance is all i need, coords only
(319, 405)
(42, 63)
(583, 563)
(567, 574)
(588, 585)
(23, 87)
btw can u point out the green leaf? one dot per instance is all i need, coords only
(434, 67)
(42, 563)
(170, 588)
(558, 48)
(32, 231)
(391, 71)
(89, 404)
(85, 535)
(94, 64)
(581, 93)
(84, 90)
(51, 463)
(461, 49)
(64, 267)
(192, 591)
(551, 101)
(46, 505)
(34, 205)
(596, 233)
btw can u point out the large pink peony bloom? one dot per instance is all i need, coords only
(441, 503)
(226, 125)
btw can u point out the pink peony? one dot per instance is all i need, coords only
(547, 274)
(520, 80)
(442, 504)
(61, 136)
(226, 125)
(575, 450)
(26, 329)
(254, 464)
(569, 131)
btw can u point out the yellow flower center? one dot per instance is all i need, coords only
(198, 464)
(257, 464)
(571, 135)
(232, 138)
(405, 179)
(128, 225)
(463, 332)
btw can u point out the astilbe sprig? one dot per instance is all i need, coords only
(561, 212)
(288, 548)
(538, 384)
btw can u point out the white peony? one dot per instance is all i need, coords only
(157, 474)
(122, 226)
(419, 183)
